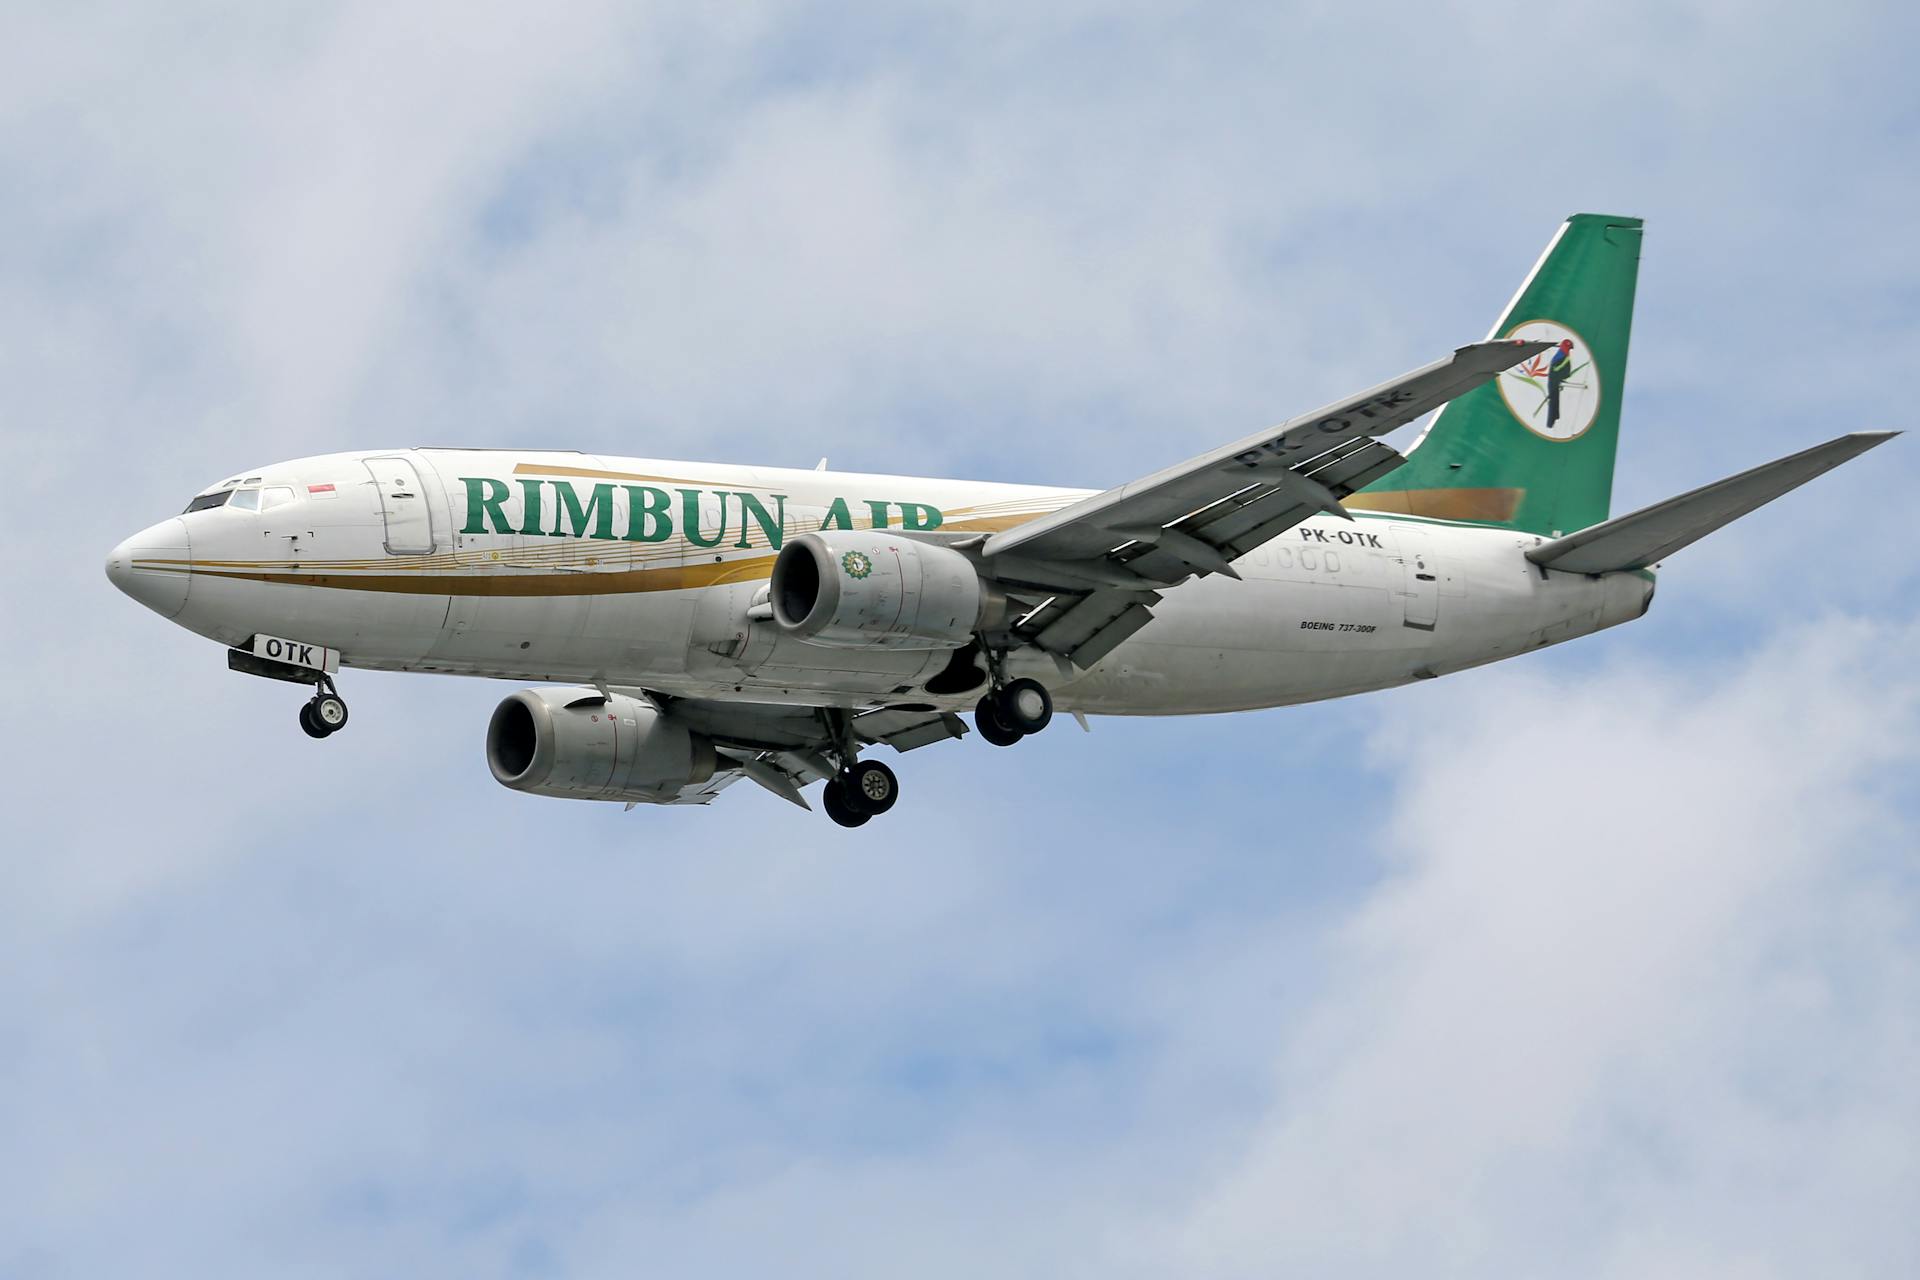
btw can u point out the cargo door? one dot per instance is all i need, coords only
(1419, 577)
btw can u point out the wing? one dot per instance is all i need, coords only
(784, 748)
(1095, 565)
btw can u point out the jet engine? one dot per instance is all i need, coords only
(582, 745)
(858, 589)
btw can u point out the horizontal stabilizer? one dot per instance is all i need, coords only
(1653, 533)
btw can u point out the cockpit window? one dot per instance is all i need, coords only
(249, 499)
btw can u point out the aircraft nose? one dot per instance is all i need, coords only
(152, 566)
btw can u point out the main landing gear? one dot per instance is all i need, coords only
(1012, 711)
(325, 713)
(863, 791)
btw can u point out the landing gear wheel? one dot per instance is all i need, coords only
(1024, 706)
(834, 800)
(329, 711)
(307, 724)
(871, 786)
(986, 720)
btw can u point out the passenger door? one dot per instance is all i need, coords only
(403, 505)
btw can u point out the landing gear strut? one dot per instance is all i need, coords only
(1012, 711)
(863, 789)
(325, 713)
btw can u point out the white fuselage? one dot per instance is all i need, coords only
(635, 572)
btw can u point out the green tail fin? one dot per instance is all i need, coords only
(1533, 449)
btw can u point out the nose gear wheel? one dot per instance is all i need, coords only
(325, 713)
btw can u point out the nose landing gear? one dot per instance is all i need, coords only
(325, 713)
(268, 657)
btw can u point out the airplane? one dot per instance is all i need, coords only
(691, 624)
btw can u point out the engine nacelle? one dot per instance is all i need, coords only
(857, 589)
(580, 745)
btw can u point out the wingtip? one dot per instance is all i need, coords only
(1869, 439)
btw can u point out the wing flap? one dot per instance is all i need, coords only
(705, 791)
(1651, 534)
(1255, 515)
(1110, 637)
(769, 775)
(1094, 526)
(1071, 631)
(905, 730)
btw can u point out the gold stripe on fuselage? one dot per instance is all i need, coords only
(594, 473)
(584, 583)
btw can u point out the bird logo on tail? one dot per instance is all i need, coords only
(1556, 394)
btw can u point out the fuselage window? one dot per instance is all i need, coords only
(1333, 562)
(206, 500)
(275, 496)
(1308, 560)
(246, 499)
(1283, 557)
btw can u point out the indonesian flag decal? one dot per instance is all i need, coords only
(320, 491)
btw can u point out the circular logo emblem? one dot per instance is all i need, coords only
(1555, 394)
(857, 564)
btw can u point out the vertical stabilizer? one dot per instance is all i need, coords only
(1534, 448)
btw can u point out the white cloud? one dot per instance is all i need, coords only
(1638, 999)
(1622, 981)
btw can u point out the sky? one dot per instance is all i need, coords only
(1602, 962)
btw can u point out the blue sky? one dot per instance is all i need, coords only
(1603, 962)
